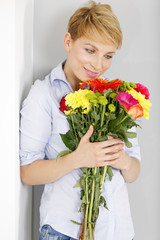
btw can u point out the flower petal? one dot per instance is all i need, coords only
(136, 111)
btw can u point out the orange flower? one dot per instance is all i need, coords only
(136, 111)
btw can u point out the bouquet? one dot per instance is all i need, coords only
(112, 107)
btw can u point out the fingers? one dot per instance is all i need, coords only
(99, 154)
(111, 159)
(110, 142)
(88, 134)
(113, 148)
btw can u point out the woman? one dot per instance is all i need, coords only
(92, 39)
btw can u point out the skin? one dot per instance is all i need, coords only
(87, 59)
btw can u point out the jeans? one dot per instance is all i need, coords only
(48, 233)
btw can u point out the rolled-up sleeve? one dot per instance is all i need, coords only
(134, 151)
(35, 124)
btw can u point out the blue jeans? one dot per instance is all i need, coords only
(48, 233)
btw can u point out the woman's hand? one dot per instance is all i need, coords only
(99, 154)
(106, 153)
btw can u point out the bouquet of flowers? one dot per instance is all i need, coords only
(112, 107)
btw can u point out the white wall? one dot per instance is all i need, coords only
(138, 61)
(16, 74)
(23, 81)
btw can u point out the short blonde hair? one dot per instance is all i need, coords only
(96, 21)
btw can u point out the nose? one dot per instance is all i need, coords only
(97, 63)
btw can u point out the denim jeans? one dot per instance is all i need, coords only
(48, 233)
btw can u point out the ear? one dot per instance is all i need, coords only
(67, 41)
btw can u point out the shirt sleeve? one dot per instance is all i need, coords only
(134, 151)
(35, 124)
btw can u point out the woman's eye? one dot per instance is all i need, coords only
(90, 50)
(108, 56)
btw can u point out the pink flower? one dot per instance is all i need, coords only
(142, 89)
(126, 99)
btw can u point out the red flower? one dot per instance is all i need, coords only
(142, 89)
(100, 85)
(63, 106)
(114, 84)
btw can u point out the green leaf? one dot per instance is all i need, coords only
(63, 153)
(113, 123)
(128, 144)
(69, 140)
(80, 183)
(103, 201)
(114, 135)
(123, 135)
(95, 116)
(76, 222)
(110, 173)
(103, 138)
(112, 116)
(131, 134)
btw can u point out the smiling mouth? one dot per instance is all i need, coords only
(90, 73)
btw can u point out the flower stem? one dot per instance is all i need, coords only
(124, 119)
(81, 232)
(86, 210)
(75, 133)
(102, 117)
(103, 178)
(91, 205)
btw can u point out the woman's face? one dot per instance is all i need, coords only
(87, 59)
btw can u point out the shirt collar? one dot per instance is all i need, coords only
(58, 73)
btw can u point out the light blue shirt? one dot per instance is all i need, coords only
(41, 124)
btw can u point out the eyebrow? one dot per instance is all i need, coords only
(97, 48)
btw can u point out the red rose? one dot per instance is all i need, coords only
(63, 106)
(142, 89)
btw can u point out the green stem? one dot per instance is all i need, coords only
(103, 178)
(91, 204)
(123, 119)
(86, 210)
(91, 235)
(75, 133)
(103, 113)
(102, 118)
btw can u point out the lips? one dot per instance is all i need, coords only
(90, 73)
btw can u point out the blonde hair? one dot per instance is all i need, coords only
(96, 21)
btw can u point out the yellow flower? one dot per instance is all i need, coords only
(145, 103)
(78, 99)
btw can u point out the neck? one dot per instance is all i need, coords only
(71, 78)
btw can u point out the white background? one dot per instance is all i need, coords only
(31, 44)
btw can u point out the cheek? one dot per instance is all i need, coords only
(107, 64)
(80, 56)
